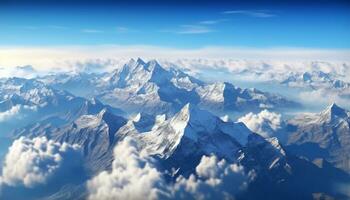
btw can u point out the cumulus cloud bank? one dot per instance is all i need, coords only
(8, 114)
(25, 71)
(265, 123)
(213, 179)
(135, 176)
(15, 112)
(31, 162)
(325, 97)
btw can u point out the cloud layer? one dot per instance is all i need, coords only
(265, 123)
(31, 162)
(50, 58)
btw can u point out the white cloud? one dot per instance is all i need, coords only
(200, 28)
(30, 162)
(264, 123)
(252, 13)
(325, 96)
(58, 27)
(214, 179)
(15, 112)
(92, 31)
(135, 176)
(123, 29)
(25, 71)
(30, 27)
(211, 22)
(63, 58)
(194, 29)
(9, 114)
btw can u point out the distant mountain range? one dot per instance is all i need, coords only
(140, 87)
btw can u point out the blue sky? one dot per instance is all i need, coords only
(191, 25)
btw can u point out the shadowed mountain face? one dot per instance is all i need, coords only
(323, 135)
(148, 87)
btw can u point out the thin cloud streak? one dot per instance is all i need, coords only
(251, 13)
(212, 22)
(194, 29)
(57, 27)
(201, 27)
(92, 31)
(30, 27)
(123, 29)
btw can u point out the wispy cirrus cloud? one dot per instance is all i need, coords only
(124, 29)
(29, 27)
(194, 29)
(118, 29)
(92, 31)
(201, 27)
(252, 13)
(188, 29)
(57, 27)
(212, 22)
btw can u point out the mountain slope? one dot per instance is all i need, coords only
(323, 135)
(191, 124)
(94, 133)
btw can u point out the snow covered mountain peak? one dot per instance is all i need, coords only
(104, 117)
(91, 121)
(332, 115)
(334, 110)
(193, 118)
(190, 126)
(139, 60)
(140, 64)
(194, 123)
(141, 86)
(328, 129)
(30, 92)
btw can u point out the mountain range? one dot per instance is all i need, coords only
(140, 87)
(173, 120)
(179, 143)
